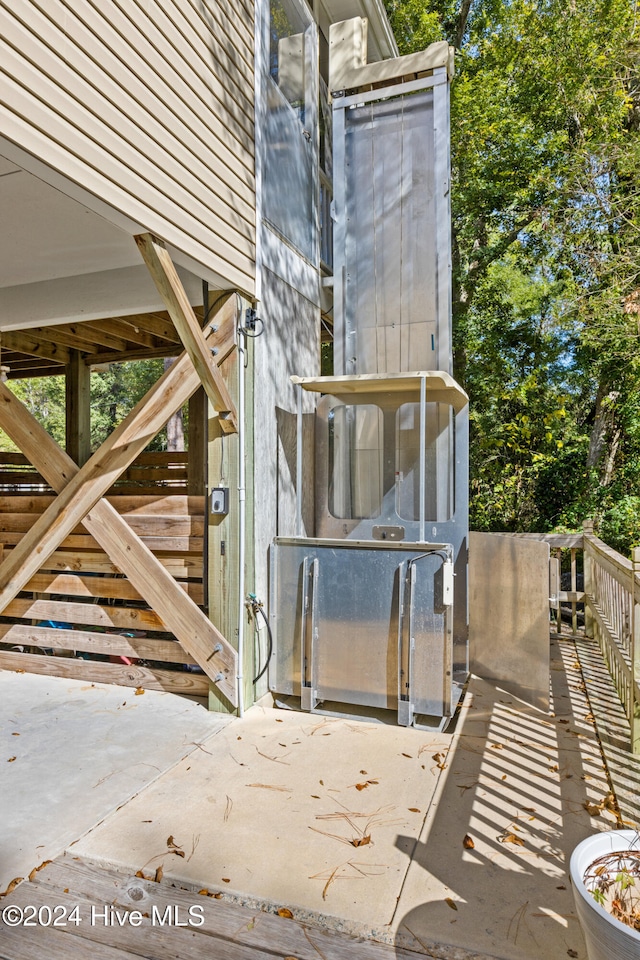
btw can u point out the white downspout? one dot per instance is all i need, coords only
(242, 352)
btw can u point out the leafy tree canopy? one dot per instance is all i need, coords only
(546, 217)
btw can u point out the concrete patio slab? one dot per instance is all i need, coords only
(469, 833)
(71, 752)
(455, 845)
(301, 811)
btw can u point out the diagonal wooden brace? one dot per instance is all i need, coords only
(170, 288)
(79, 500)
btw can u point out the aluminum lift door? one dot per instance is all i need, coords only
(392, 246)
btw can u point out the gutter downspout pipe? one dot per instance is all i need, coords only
(242, 491)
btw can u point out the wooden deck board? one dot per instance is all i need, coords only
(229, 931)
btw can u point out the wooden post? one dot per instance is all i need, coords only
(197, 444)
(589, 622)
(634, 712)
(169, 286)
(78, 408)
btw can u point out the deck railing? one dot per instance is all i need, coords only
(612, 609)
(597, 594)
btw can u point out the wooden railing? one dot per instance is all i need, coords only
(612, 593)
(148, 474)
(566, 581)
(598, 596)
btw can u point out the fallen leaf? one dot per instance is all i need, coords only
(467, 842)
(15, 734)
(315, 796)
(451, 903)
(285, 912)
(363, 773)
(504, 776)
(14, 883)
(561, 887)
(140, 875)
(139, 691)
(497, 746)
(414, 809)
(66, 890)
(11, 759)
(278, 720)
(171, 842)
(593, 809)
(589, 717)
(158, 876)
(360, 841)
(572, 953)
(226, 880)
(204, 892)
(178, 853)
(361, 786)
(407, 755)
(511, 838)
(32, 875)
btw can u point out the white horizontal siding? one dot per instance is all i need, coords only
(148, 106)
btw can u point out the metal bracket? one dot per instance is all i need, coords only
(309, 635)
(406, 581)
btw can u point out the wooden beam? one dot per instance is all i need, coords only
(78, 408)
(79, 500)
(27, 341)
(165, 276)
(63, 335)
(157, 324)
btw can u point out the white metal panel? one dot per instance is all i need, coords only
(509, 614)
(391, 243)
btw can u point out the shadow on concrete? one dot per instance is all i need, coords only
(519, 779)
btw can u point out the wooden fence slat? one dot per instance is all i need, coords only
(148, 678)
(86, 641)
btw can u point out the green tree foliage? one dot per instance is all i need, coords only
(546, 253)
(115, 390)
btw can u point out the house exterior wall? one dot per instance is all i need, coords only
(145, 109)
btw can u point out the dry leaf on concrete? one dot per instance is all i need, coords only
(285, 912)
(360, 841)
(451, 903)
(467, 842)
(511, 838)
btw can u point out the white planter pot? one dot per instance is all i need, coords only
(606, 937)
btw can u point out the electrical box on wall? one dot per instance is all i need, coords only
(220, 501)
